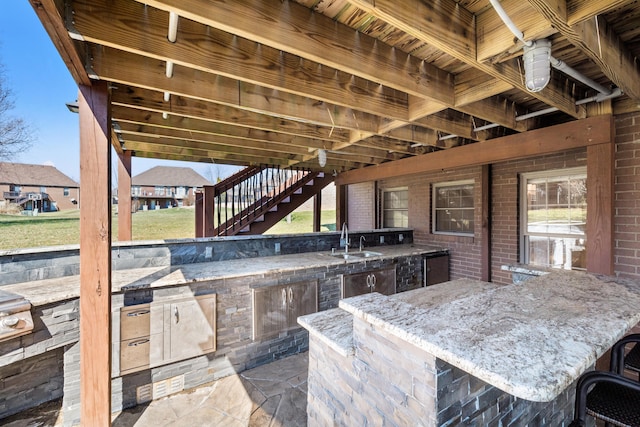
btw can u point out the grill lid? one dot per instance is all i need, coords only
(15, 316)
(11, 303)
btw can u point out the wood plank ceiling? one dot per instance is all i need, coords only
(251, 82)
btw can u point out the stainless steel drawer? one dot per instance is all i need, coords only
(135, 321)
(134, 353)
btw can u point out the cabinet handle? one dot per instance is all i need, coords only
(290, 294)
(138, 342)
(284, 297)
(368, 280)
(373, 281)
(176, 314)
(138, 313)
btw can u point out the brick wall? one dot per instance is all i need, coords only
(361, 206)
(465, 251)
(627, 197)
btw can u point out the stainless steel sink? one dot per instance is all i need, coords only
(351, 255)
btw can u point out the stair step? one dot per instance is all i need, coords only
(259, 219)
(286, 199)
(298, 191)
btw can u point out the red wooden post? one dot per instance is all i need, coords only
(124, 197)
(317, 211)
(208, 210)
(199, 196)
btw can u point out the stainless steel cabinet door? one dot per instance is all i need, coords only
(191, 326)
(382, 281)
(277, 308)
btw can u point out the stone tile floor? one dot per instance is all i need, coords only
(271, 395)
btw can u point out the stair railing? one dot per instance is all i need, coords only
(248, 193)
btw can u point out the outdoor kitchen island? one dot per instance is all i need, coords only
(465, 351)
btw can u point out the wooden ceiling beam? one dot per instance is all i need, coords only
(578, 133)
(139, 29)
(597, 40)
(582, 10)
(449, 27)
(211, 141)
(51, 17)
(149, 144)
(204, 140)
(495, 41)
(135, 70)
(473, 85)
(294, 28)
(153, 101)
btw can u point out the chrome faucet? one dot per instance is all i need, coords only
(345, 236)
(362, 240)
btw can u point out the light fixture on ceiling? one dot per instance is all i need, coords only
(537, 65)
(74, 107)
(322, 157)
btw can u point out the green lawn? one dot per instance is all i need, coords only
(63, 228)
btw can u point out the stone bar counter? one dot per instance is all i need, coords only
(465, 351)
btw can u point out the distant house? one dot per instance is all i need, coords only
(165, 186)
(39, 187)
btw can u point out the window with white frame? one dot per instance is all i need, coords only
(453, 208)
(395, 207)
(554, 218)
(65, 191)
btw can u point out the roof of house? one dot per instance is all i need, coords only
(170, 176)
(34, 175)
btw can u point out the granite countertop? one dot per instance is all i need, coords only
(531, 340)
(42, 292)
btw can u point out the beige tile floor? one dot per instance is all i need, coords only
(271, 395)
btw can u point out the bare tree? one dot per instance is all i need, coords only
(213, 174)
(15, 135)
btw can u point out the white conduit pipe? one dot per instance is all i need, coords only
(445, 137)
(508, 22)
(536, 114)
(601, 97)
(485, 127)
(562, 66)
(172, 34)
(169, 71)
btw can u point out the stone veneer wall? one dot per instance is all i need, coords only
(56, 333)
(390, 382)
(25, 265)
(30, 383)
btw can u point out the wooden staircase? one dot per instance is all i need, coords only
(256, 198)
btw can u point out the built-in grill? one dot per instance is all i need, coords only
(15, 316)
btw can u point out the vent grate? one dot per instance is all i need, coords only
(148, 392)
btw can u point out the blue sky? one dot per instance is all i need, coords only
(41, 85)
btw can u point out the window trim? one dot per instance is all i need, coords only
(523, 214)
(382, 208)
(434, 187)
